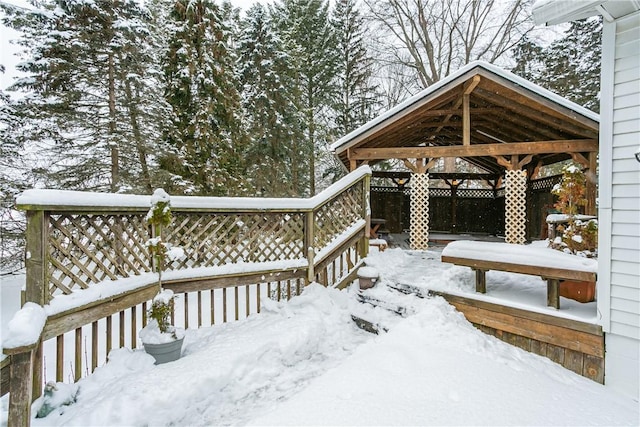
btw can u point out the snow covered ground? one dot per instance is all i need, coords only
(306, 363)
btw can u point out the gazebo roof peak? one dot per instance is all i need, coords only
(480, 106)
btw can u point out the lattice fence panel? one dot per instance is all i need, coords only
(419, 231)
(439, 192)
(86, 249)
(335, 216)
(546, 183)
(474, 193)
(515, 206)
(216, 239)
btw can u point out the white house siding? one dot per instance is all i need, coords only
(620, 203)
(625, 180)
(619, 180)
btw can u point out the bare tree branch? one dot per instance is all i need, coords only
(432, 38)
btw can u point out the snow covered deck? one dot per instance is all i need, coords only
(513, 309)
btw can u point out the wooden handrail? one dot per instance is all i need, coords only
(87, 202)
(123, 228)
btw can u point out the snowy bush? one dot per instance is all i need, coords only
(159, 216)
(576, 236)
(159, 329)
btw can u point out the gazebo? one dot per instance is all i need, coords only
(503, 124)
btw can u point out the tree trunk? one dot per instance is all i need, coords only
(115, 155)
(137, 136)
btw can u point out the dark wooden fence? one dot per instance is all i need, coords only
(464, 210)
(237, 252)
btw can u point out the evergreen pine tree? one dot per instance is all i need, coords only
(205, 137)
(356, 94)
(271, 116)
(309, 40)
(528, 56)
(573, 63)
(80, 57)
(12, 182)
(569, 66)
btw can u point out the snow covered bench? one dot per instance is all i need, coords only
(551, 265)
(381, 244)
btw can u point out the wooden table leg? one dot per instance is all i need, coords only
(481, 284)
(553, 293)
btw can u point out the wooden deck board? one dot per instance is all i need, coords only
(576, 345)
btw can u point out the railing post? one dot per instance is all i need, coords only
(36, 265)
(36, 257)
(21, 385)
(366, 214)
(309, 224)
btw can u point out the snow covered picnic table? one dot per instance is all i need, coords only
(547, 263)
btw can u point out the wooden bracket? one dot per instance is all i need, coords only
(410, 165)
(453, 183)
(514, 162)
(524, 161)
(471, 85)
(419, 167)
(580, 159)
(536, 170)
(502, 161)
(493, 183)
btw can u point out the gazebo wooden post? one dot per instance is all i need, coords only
(453, 185)
(592, 182)
(419, 228)
(515, 186)
(454, 207)
(589, 165)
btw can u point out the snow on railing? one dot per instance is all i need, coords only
(89, 269)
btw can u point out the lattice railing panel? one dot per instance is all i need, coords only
(335, 216)
(85, 249)
(439, 192)
(419, 231)
(95, 244)
(216, 239)
(515, 206)
(546, 183)
(474, 193)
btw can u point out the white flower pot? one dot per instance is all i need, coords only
(165, 352)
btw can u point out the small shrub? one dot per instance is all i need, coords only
(576, 237)
(161, 309)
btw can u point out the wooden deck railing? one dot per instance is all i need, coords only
(88, 266)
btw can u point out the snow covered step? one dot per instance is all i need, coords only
(409, 289)
(390, 306)
(380, 308)
(368, 326)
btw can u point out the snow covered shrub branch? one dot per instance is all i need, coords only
(159, 329)
(578, 237)
(159, 216)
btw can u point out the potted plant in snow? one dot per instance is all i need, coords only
(161, 339)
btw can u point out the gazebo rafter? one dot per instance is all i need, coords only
(488, 117)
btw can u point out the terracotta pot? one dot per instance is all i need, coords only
(367, 277)
(578, 290)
